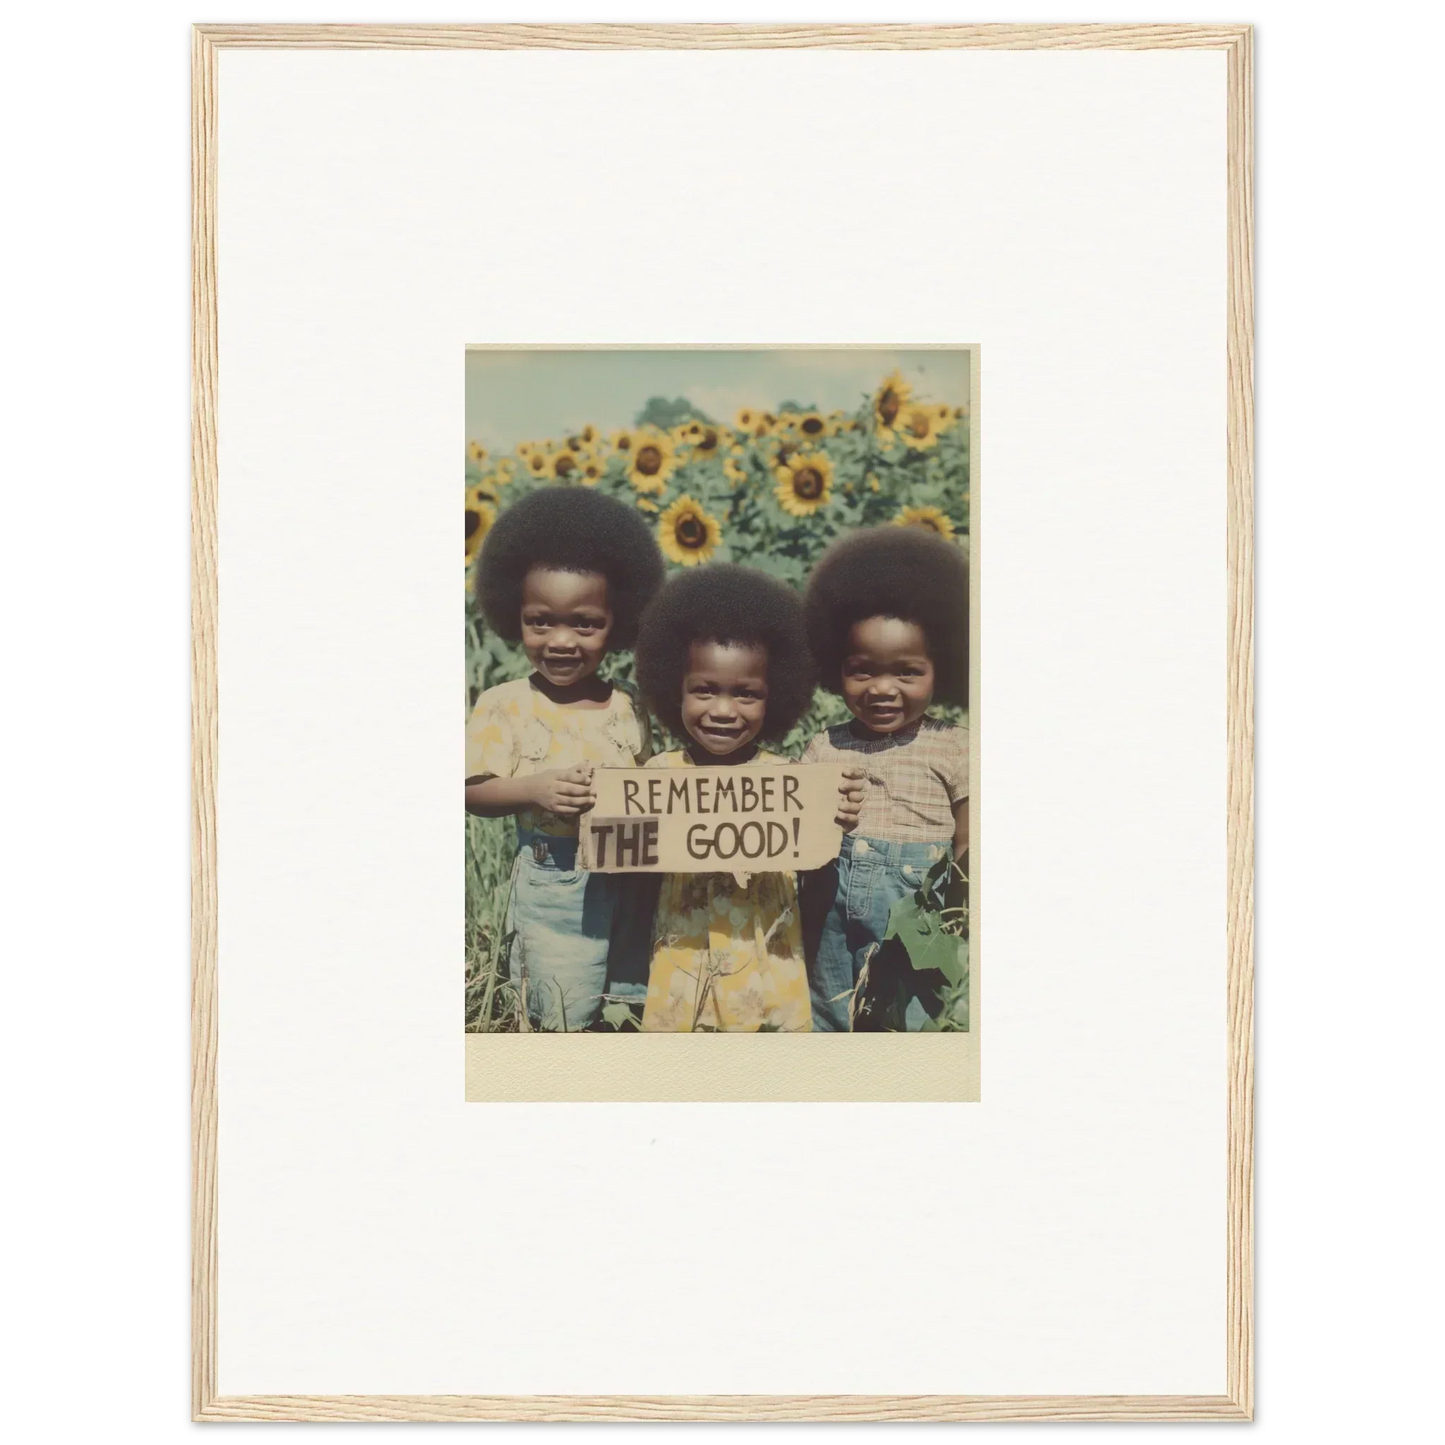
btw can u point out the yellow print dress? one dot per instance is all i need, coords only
(726, 956)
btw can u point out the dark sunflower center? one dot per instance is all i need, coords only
(708, 441)
(565, 464)
(690, 531)
(808, 483)
(649, 461)
(474, 520)
(918, 424)
(624, 444)
(888, 405)
(812, 425)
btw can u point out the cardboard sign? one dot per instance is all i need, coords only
(751, 818)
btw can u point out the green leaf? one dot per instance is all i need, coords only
(947, 961)
(920, 931)
(619, 1015)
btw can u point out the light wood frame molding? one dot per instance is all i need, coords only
(1237, 41)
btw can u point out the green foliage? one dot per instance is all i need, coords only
(619, 1015)
(665, 415)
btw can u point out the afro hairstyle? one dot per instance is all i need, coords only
(726, 603)
(570, 529)
(892, 571)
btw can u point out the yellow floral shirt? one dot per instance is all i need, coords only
(726, 956)
(515, 731)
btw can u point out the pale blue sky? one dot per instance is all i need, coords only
(517, 396)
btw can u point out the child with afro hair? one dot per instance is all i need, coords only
(887, 616)
(723, 659)
(566, 572)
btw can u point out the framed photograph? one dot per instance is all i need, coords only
(756, 510)
(830, 996)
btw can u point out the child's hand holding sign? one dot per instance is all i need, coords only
(850, 798)
(567, 792)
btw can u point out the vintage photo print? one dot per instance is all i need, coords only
(717, 691)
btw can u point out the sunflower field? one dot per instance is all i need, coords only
(769, 489)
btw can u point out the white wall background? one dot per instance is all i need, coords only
(378, 1234)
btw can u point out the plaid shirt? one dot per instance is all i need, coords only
(914, 777)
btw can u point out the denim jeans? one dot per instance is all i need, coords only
(845, 912)
(575, 935)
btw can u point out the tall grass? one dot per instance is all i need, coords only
(491, 1001)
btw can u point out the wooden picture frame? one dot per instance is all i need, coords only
(1237, 1403)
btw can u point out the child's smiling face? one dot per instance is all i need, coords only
(565, 623)
(725, 695)
(887, 673)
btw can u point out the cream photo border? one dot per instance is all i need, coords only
(1237, 1403)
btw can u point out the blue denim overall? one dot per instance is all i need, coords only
(847, 905)
(576, 935)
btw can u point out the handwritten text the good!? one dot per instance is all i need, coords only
(766, 836)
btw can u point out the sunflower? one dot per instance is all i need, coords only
(892, 394)
(582, 441)
(943, 416)
(734, 471)
(929, 518)
(918, 426)
(476, 452)
(564, 466)
(480, 516)
(687, 432)
(647, 504)
(539, 463)
(624, 440)
(651, 460)
(805, 482)
(812, 426)
(755, 423)
(590, 469)
(687, 534)
(711, 442)
(526, 450)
